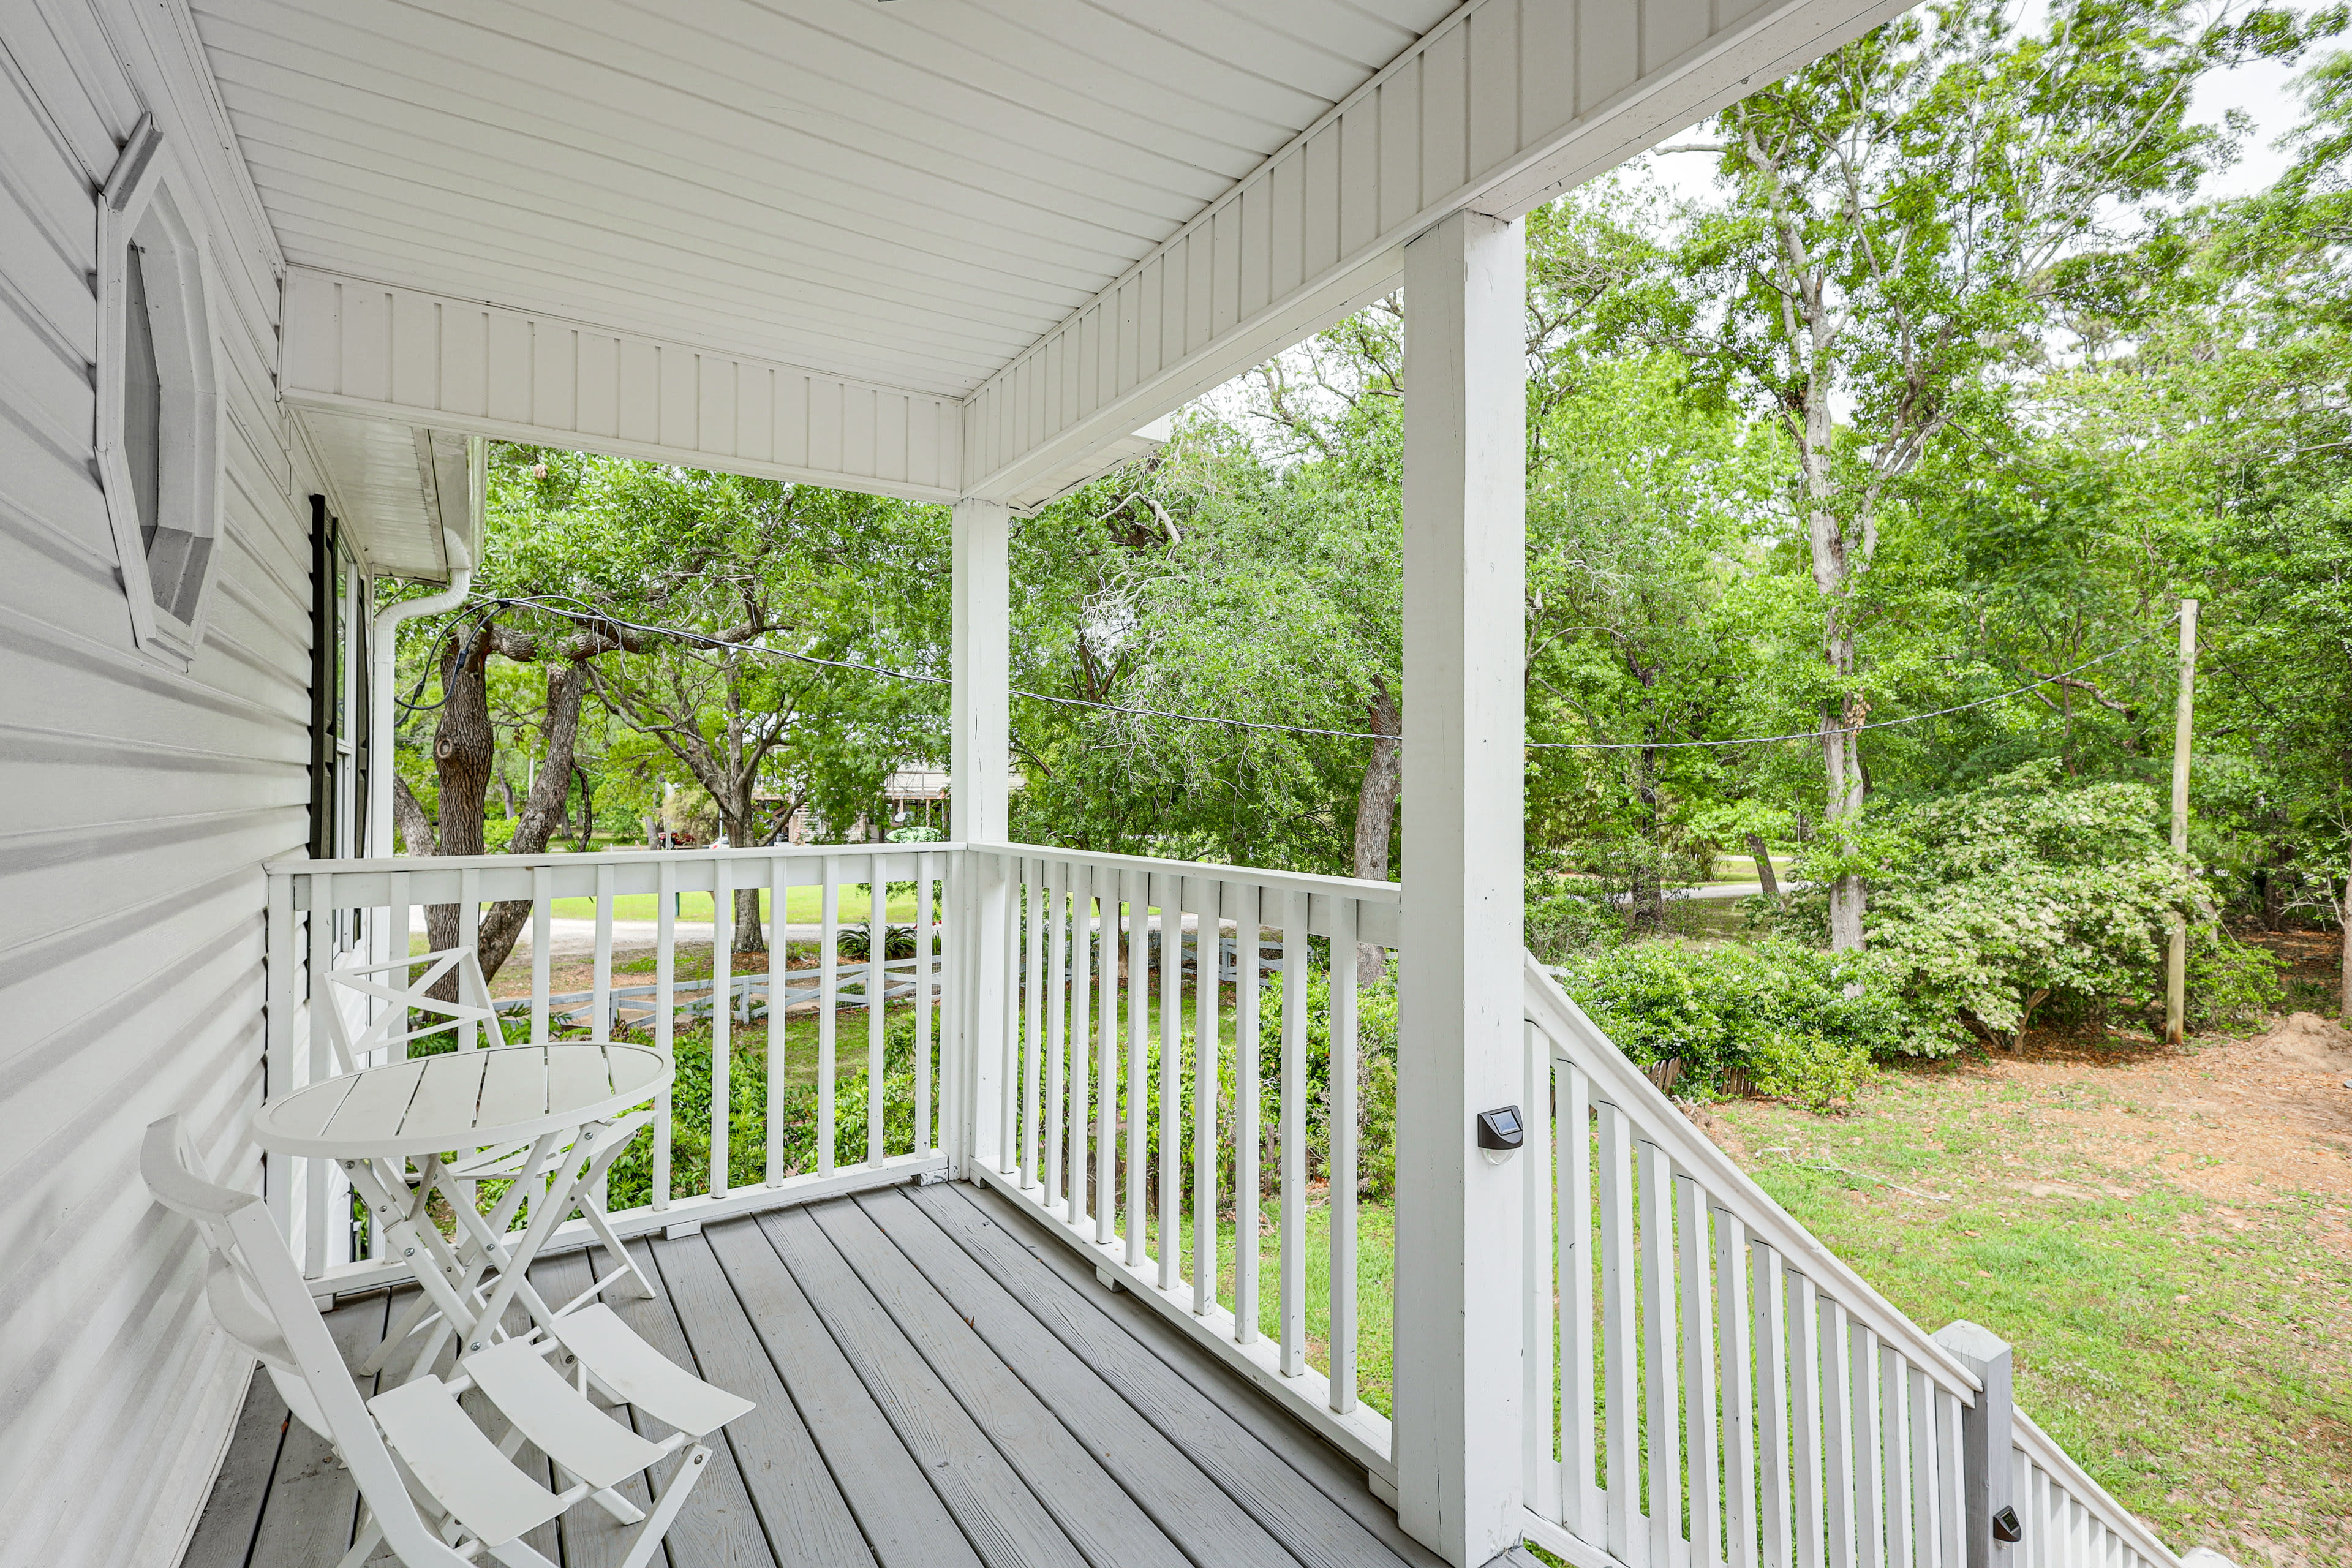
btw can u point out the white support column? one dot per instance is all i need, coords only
(978, 783)
(1458, 1313)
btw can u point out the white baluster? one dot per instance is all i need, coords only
(1107, 1057)
(1290, 1108)
(1660, 1370)
(828, 977)
(1055, 1089)
(722, 942)
(665, 1011)
(1805, 1400)
(1732, 1326)
(1207, 1068)
(877, 989)
(1345, 1160)
(1572, 1134)
(1840, 1529)
(779, 979)
(1082, 921)
(1137, 994)
(925, 936)
(1869, 1462)
(1170, 1233)
(1032, 1001)
(1776, 1508)
(1620, 1372)
(1249, 1177)
(1699, 1415)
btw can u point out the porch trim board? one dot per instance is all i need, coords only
(681, 1218)
(356, 347)
(1501, 107)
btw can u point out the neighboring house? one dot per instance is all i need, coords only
(271, 270)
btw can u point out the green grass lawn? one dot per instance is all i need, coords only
(2188, 1352)
(803, 906)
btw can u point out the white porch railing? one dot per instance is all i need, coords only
(1705, 1383)
(1082, 1107)
(327, 913)
(1728, 1392)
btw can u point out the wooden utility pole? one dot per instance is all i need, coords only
(2176, 962)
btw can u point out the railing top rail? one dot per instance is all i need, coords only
(2037, 1445)
(1303, 881)
(1617, 1079)
(303, 865)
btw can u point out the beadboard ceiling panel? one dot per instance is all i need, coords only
(911, 192)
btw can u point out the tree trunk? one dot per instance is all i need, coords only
(541, 809)
(587, 808)
(1376, 806)
(2343, 965)
(464, 753)
(1762, 854)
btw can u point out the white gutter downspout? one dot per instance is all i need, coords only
(385, 646)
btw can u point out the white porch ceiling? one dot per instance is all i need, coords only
(910, 193)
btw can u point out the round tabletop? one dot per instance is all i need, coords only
(461, 1100)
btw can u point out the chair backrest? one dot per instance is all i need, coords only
(259, 1298)
(405, 994)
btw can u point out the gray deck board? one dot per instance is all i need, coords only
(937, 1387)
(1002, 1519)
(718, 1527)
(1309, 1497)
(798, 1503)
(225, 1531)
(313, 1503)
(905, 1523)
(1098, 1515)
(1185, 1504)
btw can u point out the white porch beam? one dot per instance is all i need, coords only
(979, 785)
(436, 360)
(1458, 1431)
(1504, 105)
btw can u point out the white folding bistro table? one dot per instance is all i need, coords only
(548, 1118)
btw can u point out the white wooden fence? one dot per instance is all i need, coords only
(1708, 1385)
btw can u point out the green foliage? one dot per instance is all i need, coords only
(1799, 1022)
(630, 1182)
(2028, 891)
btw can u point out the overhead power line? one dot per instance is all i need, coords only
(565, 604)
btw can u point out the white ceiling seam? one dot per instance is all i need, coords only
(1467, 117)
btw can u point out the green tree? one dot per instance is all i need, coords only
(1896, 229)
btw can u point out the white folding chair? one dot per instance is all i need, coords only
(399, 999)
(437, 1490)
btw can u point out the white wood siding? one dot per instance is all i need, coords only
(140, 803)
(1507, 103)
(357, 347)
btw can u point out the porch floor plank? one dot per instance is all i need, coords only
(937, 1388)
(1304, 1493)
(1194, 1512)
(313, 1503)
(1098, 1515)
(225, 1531)
(1003, 1519)
(803, 1511)
(903, 1522)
